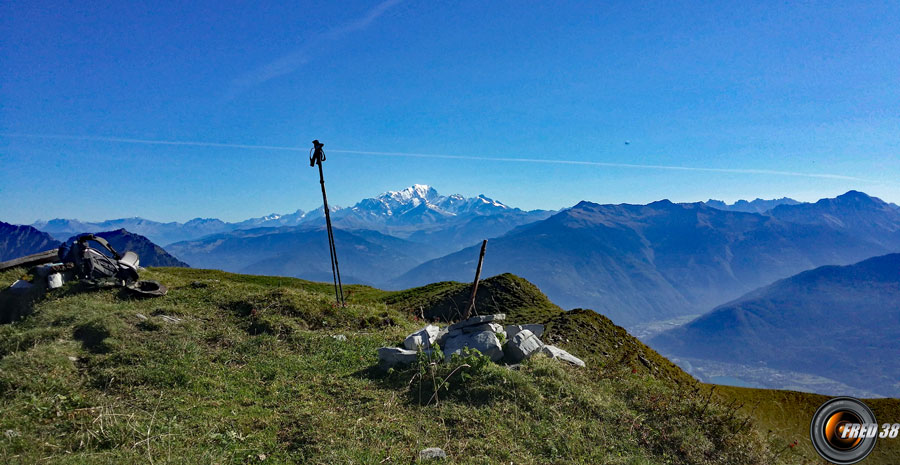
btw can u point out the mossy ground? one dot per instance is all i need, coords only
(251, 373)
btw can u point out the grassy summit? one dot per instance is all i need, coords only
(245, 369)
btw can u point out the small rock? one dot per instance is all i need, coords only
(339, 337)
(393, 356)
(523, 345)
(646, 363)
(170, 319)
(511, 330)
(559, 354)
(477, 320)
(141, 316)
(485, 342)
(423, 337)
(11, 433)
(73, 359)
(261, 457)
(432, 453)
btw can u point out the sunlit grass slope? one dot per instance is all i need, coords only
(245, 369)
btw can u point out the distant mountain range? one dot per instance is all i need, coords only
(364, 256)
(165, 233)
(640, 263)
(634, 263)
(839, 322)
(753, 206)
(17, 241)
(853, 213)
(377, 239)
(446, 223)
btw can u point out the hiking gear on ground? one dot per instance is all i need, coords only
(93, 264)
(147, 289)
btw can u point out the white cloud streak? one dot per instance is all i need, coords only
(294, 60)
(552, 161)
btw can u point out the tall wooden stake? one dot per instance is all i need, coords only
(471, 306)
(317, 158)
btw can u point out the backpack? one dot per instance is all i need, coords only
(92, 264)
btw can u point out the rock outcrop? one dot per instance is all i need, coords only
(512, 343)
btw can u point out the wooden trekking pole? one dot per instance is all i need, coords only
(471, 306)
(317, 157)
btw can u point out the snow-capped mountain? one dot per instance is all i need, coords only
(421, 204)
(273, 220)
(397, 228)
(416, 210)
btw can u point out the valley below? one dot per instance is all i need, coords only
(762, 377)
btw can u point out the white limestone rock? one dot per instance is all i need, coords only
(559, 354)
(485, 342)
(393, 356)
(422, 338)
(523, 345)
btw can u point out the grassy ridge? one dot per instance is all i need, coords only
(788, 414)
(248, 371)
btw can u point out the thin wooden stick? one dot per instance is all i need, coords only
(471, 306)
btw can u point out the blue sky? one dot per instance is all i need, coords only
(797, 99)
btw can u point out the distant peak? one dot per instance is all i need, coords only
(585, 204)
(418, 188)
(852, 194)
(416, 191)
(487, 200)
(757, 205)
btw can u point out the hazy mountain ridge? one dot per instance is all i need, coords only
(400, 213)
(819, 322)
(634, 263)
(754, 206)
(20, 240)
(164, 233)
(855, 212)
(661, 260)
(301, 251)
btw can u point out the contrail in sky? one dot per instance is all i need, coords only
(552, 161)
(301, 56)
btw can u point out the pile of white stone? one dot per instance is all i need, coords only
(482, 333)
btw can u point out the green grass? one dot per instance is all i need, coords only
(251, 371)
(787, 414)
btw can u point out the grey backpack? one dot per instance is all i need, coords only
(93, 264)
